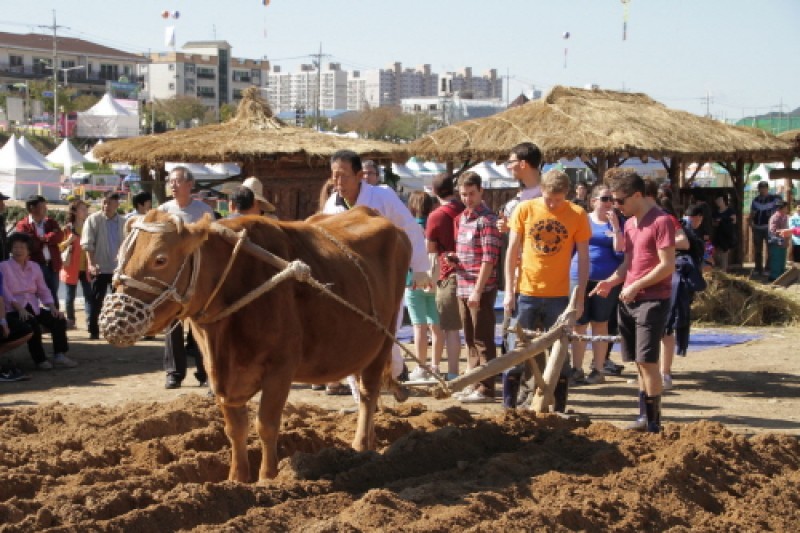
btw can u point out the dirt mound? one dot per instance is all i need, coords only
(145, 467)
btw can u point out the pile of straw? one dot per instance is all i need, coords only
(737, 301)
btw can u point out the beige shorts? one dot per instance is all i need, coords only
(447, 304)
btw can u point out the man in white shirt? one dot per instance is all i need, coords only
(350, 190)
(181, 182)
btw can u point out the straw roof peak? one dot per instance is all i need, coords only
(255, 112)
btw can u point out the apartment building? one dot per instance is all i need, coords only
(468, 85)
(303, 88)
(202, 69)
(86, 66)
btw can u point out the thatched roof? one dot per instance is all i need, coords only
(254, 133)
(572, 122)
(793, 136)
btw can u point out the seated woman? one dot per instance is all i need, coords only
(25, 293)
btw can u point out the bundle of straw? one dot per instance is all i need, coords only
(737, 301)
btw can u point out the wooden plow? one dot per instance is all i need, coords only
(529, 344)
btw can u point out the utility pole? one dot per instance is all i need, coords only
(709, 100)
(55, 27)
(318, 63)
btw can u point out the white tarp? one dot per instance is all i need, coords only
(21, 175)
(108, 119)
(199, 171)
(67, 156)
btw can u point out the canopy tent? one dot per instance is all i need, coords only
(402, 171)
(108, 119)
(226, 170)
(200, 171)
(33, 151)
(293, 163)
(21, 175)
(67, 156)
(90, 157)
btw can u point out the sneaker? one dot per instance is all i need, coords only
(477, 397)
(610, 368)
(62, 361)
(595, 377)
(463, 393)
(667, 379)
(13, 374)
(577, 377)
(173, 382)
(640, 424)
(44, 365)
(420, 374)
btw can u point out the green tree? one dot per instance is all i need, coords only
(180, 110)
(227, 112)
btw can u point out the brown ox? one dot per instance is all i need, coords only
(293, 333)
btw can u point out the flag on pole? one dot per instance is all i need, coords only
(169, 36)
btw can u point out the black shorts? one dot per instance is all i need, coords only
(641, 326)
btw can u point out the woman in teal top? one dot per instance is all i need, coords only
(421, 303)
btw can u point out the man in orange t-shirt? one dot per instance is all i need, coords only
(547, 230)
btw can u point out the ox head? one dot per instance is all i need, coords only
(157, 270)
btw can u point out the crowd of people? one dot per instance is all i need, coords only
(633, 264)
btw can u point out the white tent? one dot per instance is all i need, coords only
(108, 119)
(33, 151)
(90, 154)
(67, 156)
(21, 175)
(198, 170)
(225, 170)
(402, 171)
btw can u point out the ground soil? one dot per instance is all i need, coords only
(104, 447)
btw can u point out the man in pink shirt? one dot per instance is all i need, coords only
(646, 275)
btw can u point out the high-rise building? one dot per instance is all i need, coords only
(205, 70)
(289, 91)
(467, 85)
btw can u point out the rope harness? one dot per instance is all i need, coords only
(124, 318)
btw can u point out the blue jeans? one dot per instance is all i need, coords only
(52, 281)
(72, 292)
(533, 312)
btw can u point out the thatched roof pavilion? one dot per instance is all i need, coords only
(292, 162)
(602, 128)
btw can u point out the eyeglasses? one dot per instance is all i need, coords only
(510, 163)
(370, 172)
(621, 201)
(606, 198)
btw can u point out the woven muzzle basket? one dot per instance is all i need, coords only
(124, 319)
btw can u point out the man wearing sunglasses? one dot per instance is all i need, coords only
(646, 275)
(523, 163)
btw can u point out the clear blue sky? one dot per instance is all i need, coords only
(744, 52)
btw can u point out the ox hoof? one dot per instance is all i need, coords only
(401, 393)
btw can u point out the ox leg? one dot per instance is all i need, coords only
(370, 387)
(273, 400)
(236, 427)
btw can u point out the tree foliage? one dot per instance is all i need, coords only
(385, 123)
(179, 110)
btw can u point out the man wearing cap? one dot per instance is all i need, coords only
(181, 182)
(761, 208)
(46, 235)
(3, 235)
